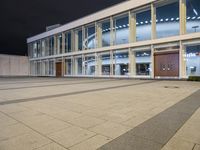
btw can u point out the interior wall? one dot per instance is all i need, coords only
(11, 65)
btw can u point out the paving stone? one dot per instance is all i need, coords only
(52, 146)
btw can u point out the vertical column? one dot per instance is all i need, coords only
(99, 35)
(111, 63)
(132, 65)
(152, 61)
(182, 61)
(96, 65)
(54, 67)
(75, 66)
(83, 38)
(153, 21)
(73, 40)
(182, 14)
(132, 27)
(55, 45)
(63, 43)
(111, 32)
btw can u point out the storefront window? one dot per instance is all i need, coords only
(79, 65)
(121, 29)
(167, 20)
(193, 16)
(80, 40)
(90, 64)
(143, 25)
(105, 64)
(51, 67)
(51, 46)
(106, 33)
(192, 58)
(143, 62)
(120, 63)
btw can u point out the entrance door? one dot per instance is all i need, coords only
(58, 69)
(166, 64)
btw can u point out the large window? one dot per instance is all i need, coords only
(193, 16)
(68, 42)
(51, 67)
(143, 25)
(59, 46)
(79, 63)
(121, 29)
(68, 66)
(90, 37)
(120, 63)
(51, 45)
(143, 62)
(80, 39)
(105, 63)
(167, 18)
(192, 58)
(90, 64)
(106, 33)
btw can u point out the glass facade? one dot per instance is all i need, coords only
(193, 16)
(192, 58)
(121, 29)
(104, 38)
(167, 20)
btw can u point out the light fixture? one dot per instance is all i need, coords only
(172, 19)
(124, 25)
(128, 25)
(198, 17)
(146, 21)
(177, 18)
(196, 13)
(161, 20)
(137, 23)
(193, 18)
(120, 26)
(166, 19)
(188, 18)
(141, 22)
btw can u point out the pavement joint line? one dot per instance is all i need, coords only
(159, 129)
(27, 87)
(72, 93)
(34, 130)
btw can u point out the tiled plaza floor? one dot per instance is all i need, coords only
(89, 114)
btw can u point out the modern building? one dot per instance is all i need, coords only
(136, 38)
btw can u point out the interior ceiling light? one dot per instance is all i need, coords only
(193, 17)
(166, 19)
(172, 19)
(177, 18)
(188, 17)
(196, 13)
(161, 20)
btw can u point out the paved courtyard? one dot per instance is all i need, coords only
(104, 114)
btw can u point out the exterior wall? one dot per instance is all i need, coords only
(11, 65)
(124, 27)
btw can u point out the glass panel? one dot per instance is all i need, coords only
(143, 25)
(121, 30)
(193, 16)
(106, 33)
(121, 62)
(68, 42)
(192, 58)
(43, 47)
(143, 62)
(90, 63)
(51, 46)
(90, 38)
(69, 66)
(80, 40)
(60, 44)
(38, 68)
(105, 64)
(79, 66)
(167, 20)
(51, 67)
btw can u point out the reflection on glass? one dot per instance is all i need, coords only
(68, 42)
(51, 67)
(80, 40)
(90, 65)
(51, 46)
(90, 38)
(121, 25)
(143, 61)
(68, 65)
(120, 63)
(105, 64)
(193, 16)
(192, 58)
(79, 66)
(143, 25)
(167, 20)
(106, 33)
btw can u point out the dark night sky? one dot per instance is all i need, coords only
(20, 19)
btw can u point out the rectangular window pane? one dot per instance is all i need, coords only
(143, 25)
(105, 64)
(106, 33)
(80, 40)
(90, 63)
(167, 18)
(121, 25)
(68, 65)
(90, 39)
(193, 16)
(68, 42)
(192, 58)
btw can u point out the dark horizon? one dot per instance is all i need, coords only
(25, 18)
